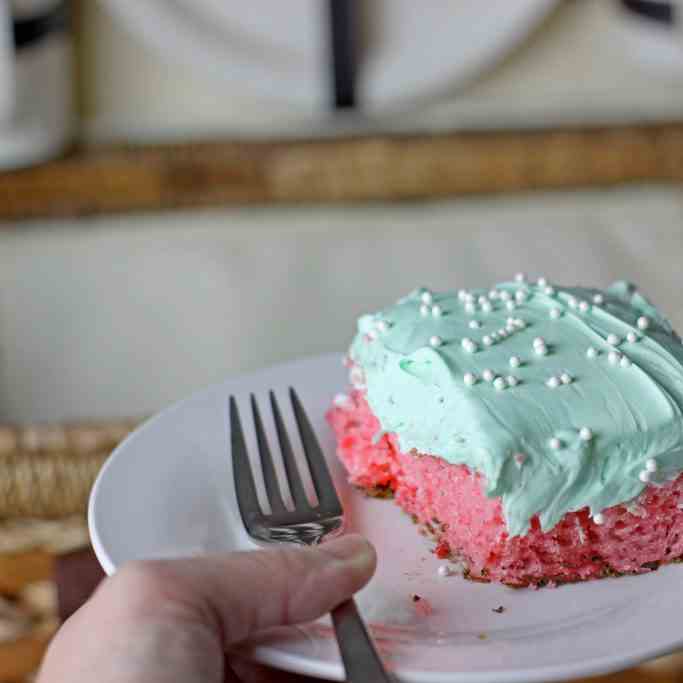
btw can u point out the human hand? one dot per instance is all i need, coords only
(172, 620)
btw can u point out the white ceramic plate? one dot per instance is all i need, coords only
(278, 50)
(167, 491)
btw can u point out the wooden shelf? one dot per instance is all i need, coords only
(392, 167)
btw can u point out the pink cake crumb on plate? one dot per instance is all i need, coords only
(449, 501)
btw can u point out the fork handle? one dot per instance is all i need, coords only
(361, 661)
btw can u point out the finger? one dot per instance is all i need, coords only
(241, 593)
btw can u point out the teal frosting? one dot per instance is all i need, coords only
(632, 407)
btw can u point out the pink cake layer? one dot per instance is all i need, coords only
(470, 527)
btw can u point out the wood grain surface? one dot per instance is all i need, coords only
(381, 168)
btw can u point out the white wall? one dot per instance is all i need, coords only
(119, 316)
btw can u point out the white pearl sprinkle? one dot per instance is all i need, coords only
(549, 290)
(591, 353)
(469, 379)
(541, 350)
(651, 465)
(555, 443)
(437, 311)
(470, 307)
(643, 322)
(631, 337)
(487, 340)
(493, 294)
(613, 339)
(488, 375)
(427, 297)
(444, 570)
(644, 476)
(482, 299)
(469, 297)
(510, 321)
(511, 305)
(539, 341)
(475, 324)
(424, 309)
(502, 333)
(462, 294)
(573, 302)
(566, 378)
(520, 323)
(598, 299)
(553, 382)
(383, 325)
(512, 380)
(519, 459)
(469, 345)
(613, 357)
(499, 383)
(515, 361)
(584, 306)
(555, 313)
(520, 296)
(542, 282)
(585, 434)
(435, 341)
(486, 307)
(520, 277)
(505, 295)
(510, 328)
(599, 518)
(494, 336)
(625, 362)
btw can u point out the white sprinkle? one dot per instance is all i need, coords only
(631, 337)
(437, 311)
(539, 341)
(512, 380)
(469, 379)
(598, 299)
(520, 323)
(494, 336)
(541, 350)
(510, 321)
(493, 294)
(383, 325)
(591, 353)
(519, 458)
(584, 306)
(521, 295)
(427, 297)
(643, 322)
(511, 305)
(613, 357)
(475, 324)
(482, 299)
(487, 340)
(469, 297)
(510, 327)
(488, 375)
(424, 309)
(515, 361)
(573, 302)
(520, 277)
(613, 339)
(555, 313)
(566, 378)
(585, 434)
(553, 382)
(470, 307)
(542, 282)
(555, 443)
(486, 307)
(599, 518)
(651, 465)
(549, 290)
(502, 332)
(462, 294)
(499, 383)
(435, 341)
(469, 345)
(625, 362)
(644, 476)
(342, 400)
(444, 570)
(505, 295)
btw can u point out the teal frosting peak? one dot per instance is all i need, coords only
(561, 397)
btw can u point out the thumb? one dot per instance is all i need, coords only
(241, 593)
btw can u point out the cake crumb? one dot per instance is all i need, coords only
(498, 610)
(422, 606)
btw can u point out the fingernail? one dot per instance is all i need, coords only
(353, 550)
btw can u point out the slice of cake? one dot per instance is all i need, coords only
(535, 430)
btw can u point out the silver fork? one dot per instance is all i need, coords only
(304, 524)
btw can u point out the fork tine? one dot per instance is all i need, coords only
(291, 468)
(324, 487)
(245, 488)
(269, 476)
